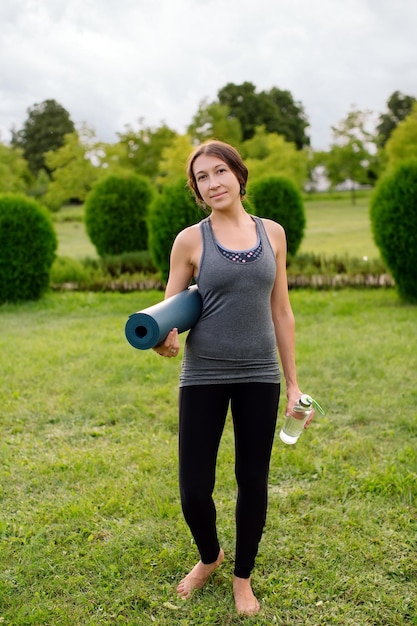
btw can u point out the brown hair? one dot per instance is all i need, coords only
(223, 151)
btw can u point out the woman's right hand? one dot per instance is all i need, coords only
(170, 346)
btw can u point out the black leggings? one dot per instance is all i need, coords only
(203, 410)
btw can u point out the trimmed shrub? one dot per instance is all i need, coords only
(278, 199)
(172, 211)
(116, 212)
(393, 213)
(129, 263)
(27, 248)
(68, 270)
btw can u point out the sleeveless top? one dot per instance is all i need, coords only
(234, 340)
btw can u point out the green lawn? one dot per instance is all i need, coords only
(73, 240)
(338, 227)
(91, 531)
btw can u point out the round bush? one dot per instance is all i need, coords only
(393, 212)
(278, 199)
(172, 211)
(116, 212)
(27, 248)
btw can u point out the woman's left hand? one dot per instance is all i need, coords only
(293, 395)
(171, 345)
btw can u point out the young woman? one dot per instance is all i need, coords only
(230, 357)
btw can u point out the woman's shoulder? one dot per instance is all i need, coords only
(272, 227)
(275, 233)
(189, 235)
(190, 231)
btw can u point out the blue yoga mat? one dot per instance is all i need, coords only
(148, 328)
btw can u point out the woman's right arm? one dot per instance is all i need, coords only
(183, 260)
(182, 268)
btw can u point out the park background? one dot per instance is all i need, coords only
(90, 526)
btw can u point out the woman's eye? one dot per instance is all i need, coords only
(201, 177)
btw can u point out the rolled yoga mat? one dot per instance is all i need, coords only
(148, 328)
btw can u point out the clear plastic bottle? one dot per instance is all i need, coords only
(294, 422)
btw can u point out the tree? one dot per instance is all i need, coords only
(142, 149)
(242, 103)
(268, 154)
(213, 121)
(44, 130)
(286, 118)
(274, 109)
(78, 164)
(399, 107)
(73, 174)
(173, 160)
(14, 172)
(351, 154)
(402, 144)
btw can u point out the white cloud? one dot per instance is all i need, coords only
(111, 62)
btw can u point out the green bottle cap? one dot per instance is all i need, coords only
(308, 401)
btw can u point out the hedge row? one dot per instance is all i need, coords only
(134, 271)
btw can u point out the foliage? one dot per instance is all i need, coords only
(351, 154)
(39, 186)
(79, 164)
(394, 225)
(67, 270)
(319, 271)
(27, 248)
(268, 154)
(275, 109)
(14, 173)
(173, 210)
(142, 149)
(116, 212)
(399, 107)
(277, 198)
(128, 263)
(109, 158)
(131, 271)
(73, 174)
(402, 144)
(311, 263)
(173, 160)
(213, 121)
(91, 527)
(44, 130)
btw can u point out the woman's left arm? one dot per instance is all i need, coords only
(282, 314)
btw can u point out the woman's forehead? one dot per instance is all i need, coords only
(206, 162)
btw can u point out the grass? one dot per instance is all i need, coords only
(339, 227)
(73, 240)
(334, 227)
(91, 530)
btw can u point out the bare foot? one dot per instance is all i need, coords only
(245, 601)
(197, 578)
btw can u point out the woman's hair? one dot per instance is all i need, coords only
(223, 151)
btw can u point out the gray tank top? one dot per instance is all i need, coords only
(234, 339)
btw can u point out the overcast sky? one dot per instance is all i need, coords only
(112, 62)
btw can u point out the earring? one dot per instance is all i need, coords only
(242, 189)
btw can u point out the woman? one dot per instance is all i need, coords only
(230, 356)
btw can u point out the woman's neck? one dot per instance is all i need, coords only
(235, 217)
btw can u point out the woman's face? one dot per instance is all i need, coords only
(216, 182)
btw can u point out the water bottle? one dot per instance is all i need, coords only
(294, 422)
